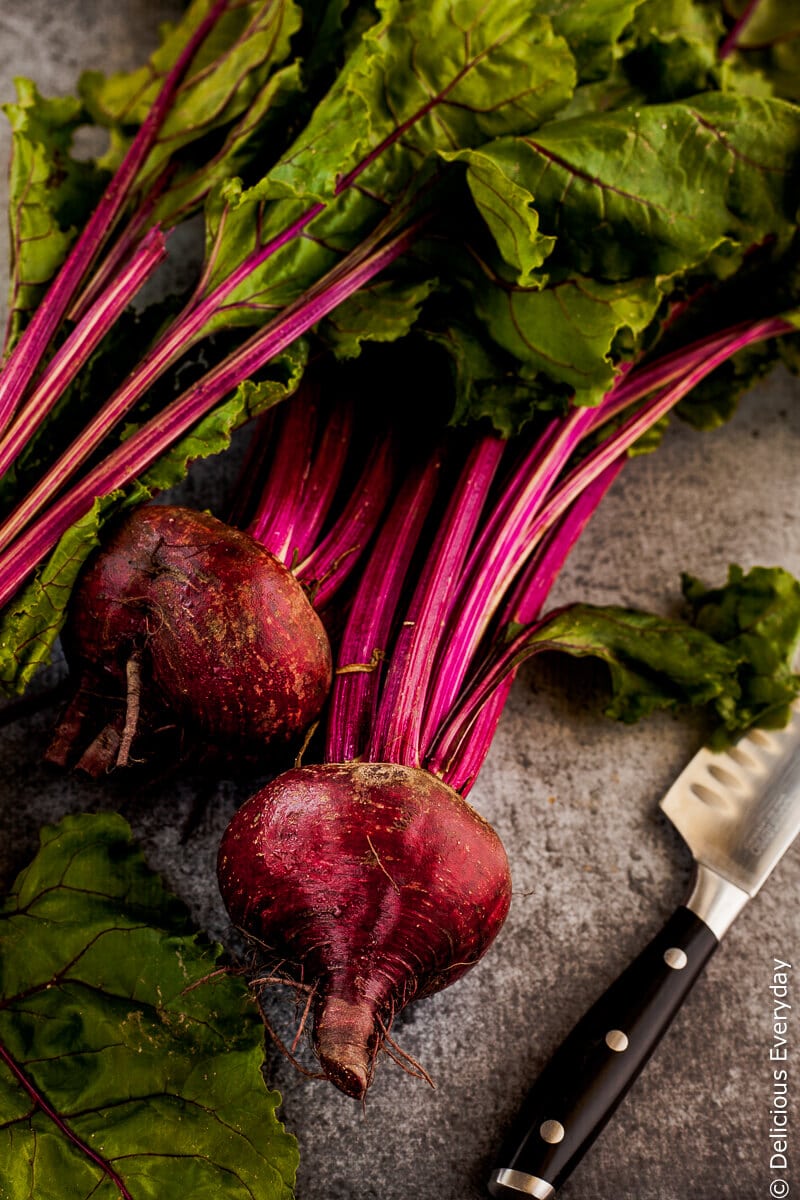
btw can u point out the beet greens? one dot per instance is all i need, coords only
(531, 111)
(231, 290)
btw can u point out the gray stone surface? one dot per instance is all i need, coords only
(596, 869)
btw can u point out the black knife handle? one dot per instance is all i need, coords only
(593, 1068)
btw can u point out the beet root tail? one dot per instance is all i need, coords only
(346, 1040)
(88, 734)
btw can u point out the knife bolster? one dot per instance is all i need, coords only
(715, 900)
(505, 1183)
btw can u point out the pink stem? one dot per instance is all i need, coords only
(305, 474)
(331, 563)
(76, 350)
(462, 771)
(463, 744)
(274, 522)
(494, 680)
(47, 1108)
(181, 335)
(496, 558)
(327, 470)
(527, 599)
(641, 381)
(121, 252)
(261, 447)
(398, 726)
(732, 39)
(149, 442)
(642, 420)
(373, 615)
(33, 344)
(459, 749)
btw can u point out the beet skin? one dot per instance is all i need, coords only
(184, 623)
(375, 884)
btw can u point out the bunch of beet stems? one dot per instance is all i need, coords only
(447, 668)
(311, 491)
(30, 386)
(93, 304)
(26, 539)
(297, 462)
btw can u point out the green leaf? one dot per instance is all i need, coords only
(383, 312)
(32, 621)
(675, 48)
(604, 95)
(50, 195)
(149, 1069)
(451, 73)
(509, 210)
(486, 383)
(733, 656)
(226, 77)
(568, 332)
(515, 351)
(605, 197)
(234, 99)
(661, 190)
(244, 142)
(428, 77)
(756, 616)
(653, 662)
(595, 30)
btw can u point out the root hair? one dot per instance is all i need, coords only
(404, 1060)
(280, 1045)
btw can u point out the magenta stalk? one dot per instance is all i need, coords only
(27, 354)
(148, 443)
(80, 345)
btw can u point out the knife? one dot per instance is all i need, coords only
(738, 811)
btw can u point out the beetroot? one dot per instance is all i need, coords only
(372, 882)
(184, 623)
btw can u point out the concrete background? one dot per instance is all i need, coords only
(596, 869)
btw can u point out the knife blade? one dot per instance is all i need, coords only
(738, 812)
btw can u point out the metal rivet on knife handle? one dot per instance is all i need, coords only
(617, 1040)
(675, 958)
(552, 1131)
